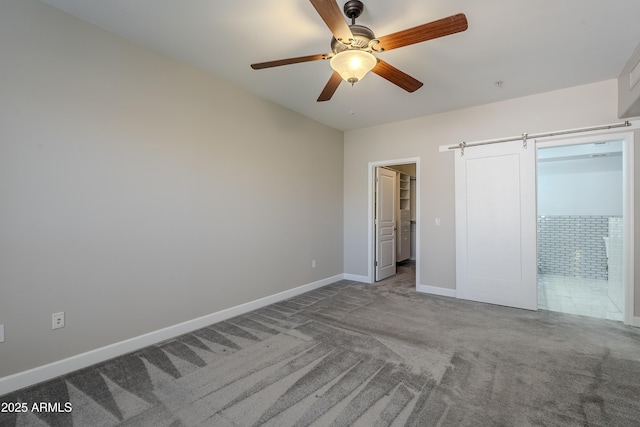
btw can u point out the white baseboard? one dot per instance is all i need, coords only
(52, 370)
(436, 290)
(356, 278)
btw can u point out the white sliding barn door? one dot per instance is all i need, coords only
(385, 222)
(496, 224)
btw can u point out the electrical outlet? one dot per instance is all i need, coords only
(1, 333)
(57, 320)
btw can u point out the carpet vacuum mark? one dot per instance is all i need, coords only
(369, 355)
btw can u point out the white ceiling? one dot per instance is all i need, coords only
(533, 46)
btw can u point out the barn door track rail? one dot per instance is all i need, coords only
(525, 136)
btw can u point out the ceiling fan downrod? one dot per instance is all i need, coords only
(353, 9)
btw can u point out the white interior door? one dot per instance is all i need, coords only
(385, 223)
(496, 225)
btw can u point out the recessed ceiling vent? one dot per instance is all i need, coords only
(634, 75)
(629, 88)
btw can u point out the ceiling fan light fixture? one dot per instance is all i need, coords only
(353, 64)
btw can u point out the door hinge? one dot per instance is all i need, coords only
(376, 263)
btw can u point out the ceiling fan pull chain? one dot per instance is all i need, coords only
(351, 97)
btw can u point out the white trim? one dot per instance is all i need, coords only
(61, 367)
(356, 278)
(370, 225)
(628, 199)
(629, 227)
(436, 290)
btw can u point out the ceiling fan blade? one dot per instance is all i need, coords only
(330, 13)
(330, 88)
(279, 62)
(397, 77)
(432, 30)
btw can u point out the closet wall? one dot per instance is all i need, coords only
(405, 206)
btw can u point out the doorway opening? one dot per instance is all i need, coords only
(583, 219)
(406, 213)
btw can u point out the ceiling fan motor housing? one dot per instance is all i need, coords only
(361, 38)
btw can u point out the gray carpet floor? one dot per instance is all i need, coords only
(363, 355)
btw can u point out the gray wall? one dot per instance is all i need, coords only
(563, 109)
(137, 193)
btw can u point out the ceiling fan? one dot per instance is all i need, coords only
(353, 45)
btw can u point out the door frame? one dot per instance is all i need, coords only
(627, 202)
(371, 213)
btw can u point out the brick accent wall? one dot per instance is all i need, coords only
(573, 246)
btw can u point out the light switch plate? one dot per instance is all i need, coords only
(1, 333)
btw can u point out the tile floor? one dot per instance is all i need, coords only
(576, 295)
(571, 295)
